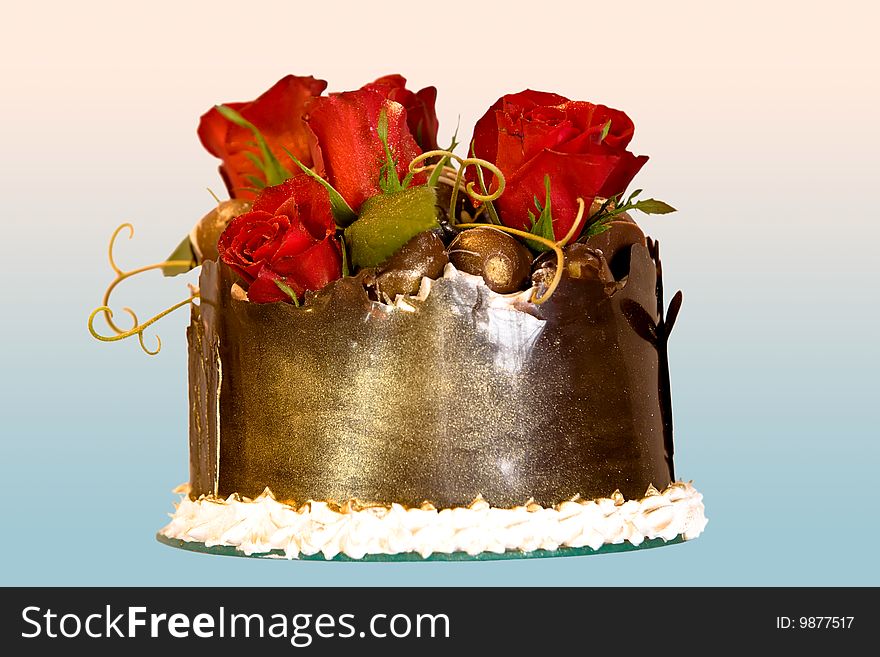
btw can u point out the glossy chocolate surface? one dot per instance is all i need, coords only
(351, 399)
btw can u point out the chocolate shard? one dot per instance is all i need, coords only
(614, 243)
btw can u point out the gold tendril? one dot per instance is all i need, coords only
(137, 328)
(560, 256)
(575, 226)
(464, 163)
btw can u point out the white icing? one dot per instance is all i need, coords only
(263, 524)
(503, 322)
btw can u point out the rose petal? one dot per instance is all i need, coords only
(486, 129)
(277, 113)
(523, 137)
(313, 268)
(572, 175)
(265, 290)
(421, 116)
(294, 242)
(250, 240)
(589, 121)
(304, 198)
(532, 134)
(347, 150)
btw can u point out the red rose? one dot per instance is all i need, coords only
(288, 236)
(278, 115)
(532, 134)
(421, 116)
(347, 150)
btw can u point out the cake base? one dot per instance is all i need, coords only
(354, 531)
(608, 548)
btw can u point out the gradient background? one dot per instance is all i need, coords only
(762, 125)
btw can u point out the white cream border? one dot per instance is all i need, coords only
(263, 524)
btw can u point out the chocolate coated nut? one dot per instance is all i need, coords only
(502, 261)
(424, 255)
(582, 263)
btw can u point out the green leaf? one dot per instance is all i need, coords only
(437, 172)
(342, 212)
(387, 222)
(454, 144)
(438, 168)
(184, 251)
(597, 228)
(605, 130)
(600, 221)
(543, 225)
(653, 206)
(256, 161)
(346, 271)
(388, 180)
(608, 206)
(256, 182)
(284, 287)
(382, 126)
(271, 168)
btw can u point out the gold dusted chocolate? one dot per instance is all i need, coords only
(452, 397)
(502, 260)
(423, 256)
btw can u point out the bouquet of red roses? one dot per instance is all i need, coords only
(353, 183)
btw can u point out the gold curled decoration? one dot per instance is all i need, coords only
(560, 256)
(464, 163)
(121, 275)
(574, 226)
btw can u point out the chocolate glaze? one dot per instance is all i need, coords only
(351, 399)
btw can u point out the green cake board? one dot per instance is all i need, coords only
(229, 551)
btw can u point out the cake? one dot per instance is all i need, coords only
(397, 352)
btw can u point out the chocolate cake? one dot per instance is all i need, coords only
(398, 351)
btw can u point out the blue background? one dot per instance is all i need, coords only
(769, 155)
